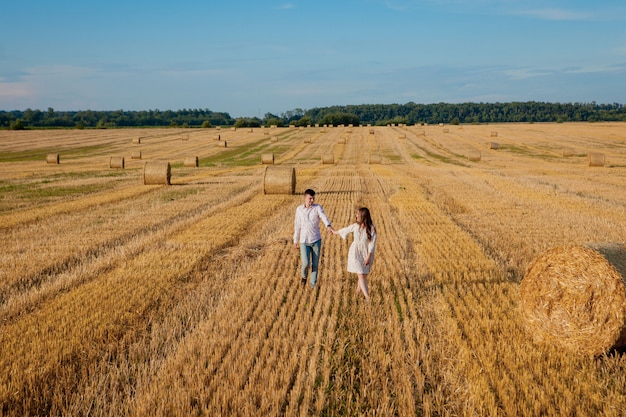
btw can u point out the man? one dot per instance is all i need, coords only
(307, 236)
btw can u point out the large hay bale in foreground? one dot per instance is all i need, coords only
(190, 161)
(267, 158)
(116, 162)
(474, 156)
(574, 297)
(156, 172)
(53, 158)
(596, 159)
(279, 180)
(328, 158)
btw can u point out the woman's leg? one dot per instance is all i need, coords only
(363, 285)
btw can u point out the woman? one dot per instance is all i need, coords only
(361, 253)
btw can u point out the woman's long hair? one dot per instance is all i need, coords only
(366, 220)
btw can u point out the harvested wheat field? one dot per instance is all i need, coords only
(124, 298)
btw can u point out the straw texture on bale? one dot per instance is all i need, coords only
(135, 155)
(574, 297)
(116, 162)
(568, 152)
(155, 172)
(53, 158)
(267, 158)
(596, 159)
(375, 159)
(474, 156)
(279, 180)
(190, 161)
(328, 158)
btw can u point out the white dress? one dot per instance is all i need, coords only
(359, 248)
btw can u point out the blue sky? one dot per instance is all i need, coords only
(249, 58)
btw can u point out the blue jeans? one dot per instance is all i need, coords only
(310, 255)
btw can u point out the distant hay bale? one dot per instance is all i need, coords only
(493, 134)
(234, 129)
(328, 158)
(266, 133)
(156, 172)
(421, 132)
(375, 159)
(273, 127)
(307, 140)
(492, 145)
(440, 124)
(446, 130)
(567, 152)
(267, 158)
(136, 140)
(53, 158)
(574, 297)
(342, 140)
(596, 159)
(216, 137)
(116, 162)
(251, 130)
(135, 155)
(185, 137)
(402, 136)
(279, 180)
(474, 156)
(222, 144)
(274, 139)
(218, 127)
(190, 161)
(371, 131)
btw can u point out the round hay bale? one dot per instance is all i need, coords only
(135, 155)
(342, 140)
(402, 136)
(574, 297)
(371, 131)
(375, 159)
(155, 172)
(116, 162)
(267, 158)
(53, 158)
(216, 137)
(190, 161)
(567, 152)
(184, 138)
(222, 144)
(596, 159)
(218, 127)
(279, 180)
(492, 145)
(274, 139)
(474, 156)
(446, 130)
(307, 140)
(494, 134)
(137, 140)
(328, 158)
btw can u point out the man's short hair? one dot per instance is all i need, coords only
(310, 192)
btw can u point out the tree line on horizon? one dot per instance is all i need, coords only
(374, 114)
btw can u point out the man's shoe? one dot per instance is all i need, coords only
(303, 281)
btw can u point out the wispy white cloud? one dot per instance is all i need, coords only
(285, 6)
(556, 14)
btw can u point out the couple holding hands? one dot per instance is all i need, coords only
(308, 239)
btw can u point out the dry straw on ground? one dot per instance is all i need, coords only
(596, 159)
(116, 162)
(474, 156)
(53, 158)
(328, 158)
(157, 173)
(375, 159)
(574, 297)
(267, 158)
(190, 161)
(279, 180)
